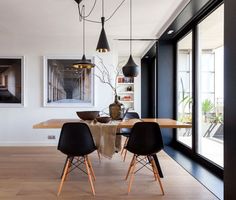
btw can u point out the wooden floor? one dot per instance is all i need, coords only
(32, 173)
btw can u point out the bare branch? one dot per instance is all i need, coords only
(105, 75)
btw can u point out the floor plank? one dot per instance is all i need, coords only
(32, 173)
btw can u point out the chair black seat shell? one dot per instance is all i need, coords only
(76, 139)
(76, 142)
(145, 139)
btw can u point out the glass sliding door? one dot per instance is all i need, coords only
(184, 88)
(210, 86)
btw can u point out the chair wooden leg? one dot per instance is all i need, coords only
(125, 155)
(158, 177)
(89, 174)
(153, 168)
(132, 175)
(70, 163)
(91, 169)
(64, 166)
(130, 166)
(99, 156)
(63, 177)
(126, 140)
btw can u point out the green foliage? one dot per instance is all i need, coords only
(185, 102)
(207, 106)
(218, 119)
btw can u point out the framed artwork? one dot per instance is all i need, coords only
(11, 81)
(66, 86)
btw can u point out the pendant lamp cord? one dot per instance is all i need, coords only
(93, 21)
(103, 18)
(130, 27)
(83, 9)
(102, 8)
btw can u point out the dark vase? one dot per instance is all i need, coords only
(116, 109)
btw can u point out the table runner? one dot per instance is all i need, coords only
(105, 138)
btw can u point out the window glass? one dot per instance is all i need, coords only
(184, 88)
(210, 87)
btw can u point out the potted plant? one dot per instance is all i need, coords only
(207, 106)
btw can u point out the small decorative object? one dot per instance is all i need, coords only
(129, 88)
(104, 119)
(116, 109)
(87, 115)
(127, 98)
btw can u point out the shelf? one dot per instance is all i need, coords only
(125, 83)
(128, 92)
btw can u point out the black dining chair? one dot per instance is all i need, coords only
(126, 131)
(76, 142)
(144, 142)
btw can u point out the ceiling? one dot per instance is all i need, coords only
(59, 19)
(211, 32)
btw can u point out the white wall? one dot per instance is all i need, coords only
(16, 123)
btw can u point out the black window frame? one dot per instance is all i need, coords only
(192, 152)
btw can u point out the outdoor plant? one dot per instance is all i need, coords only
(207, 107)
(185, 102)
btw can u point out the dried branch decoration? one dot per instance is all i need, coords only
(105, 76)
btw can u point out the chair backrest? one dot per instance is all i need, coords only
(145, 139)
(131, 115)
(76, 139)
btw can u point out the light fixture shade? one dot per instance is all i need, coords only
(83, 64)
(103, 45)
(131, 68)
(78, 1)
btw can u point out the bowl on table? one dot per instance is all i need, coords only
(88, 115)
(104, 119)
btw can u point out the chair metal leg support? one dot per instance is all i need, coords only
(158, 165)
(64, 176)
(89, 174)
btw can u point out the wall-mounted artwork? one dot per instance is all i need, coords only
(66, 86)
(11, 81)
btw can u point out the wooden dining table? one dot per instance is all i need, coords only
(163, 123)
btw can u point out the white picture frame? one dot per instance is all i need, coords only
(12, 81)
(63, 90)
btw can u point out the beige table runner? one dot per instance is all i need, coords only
(105, 137)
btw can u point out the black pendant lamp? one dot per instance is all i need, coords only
(103, 45)
(131, 68)
(83, 63)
